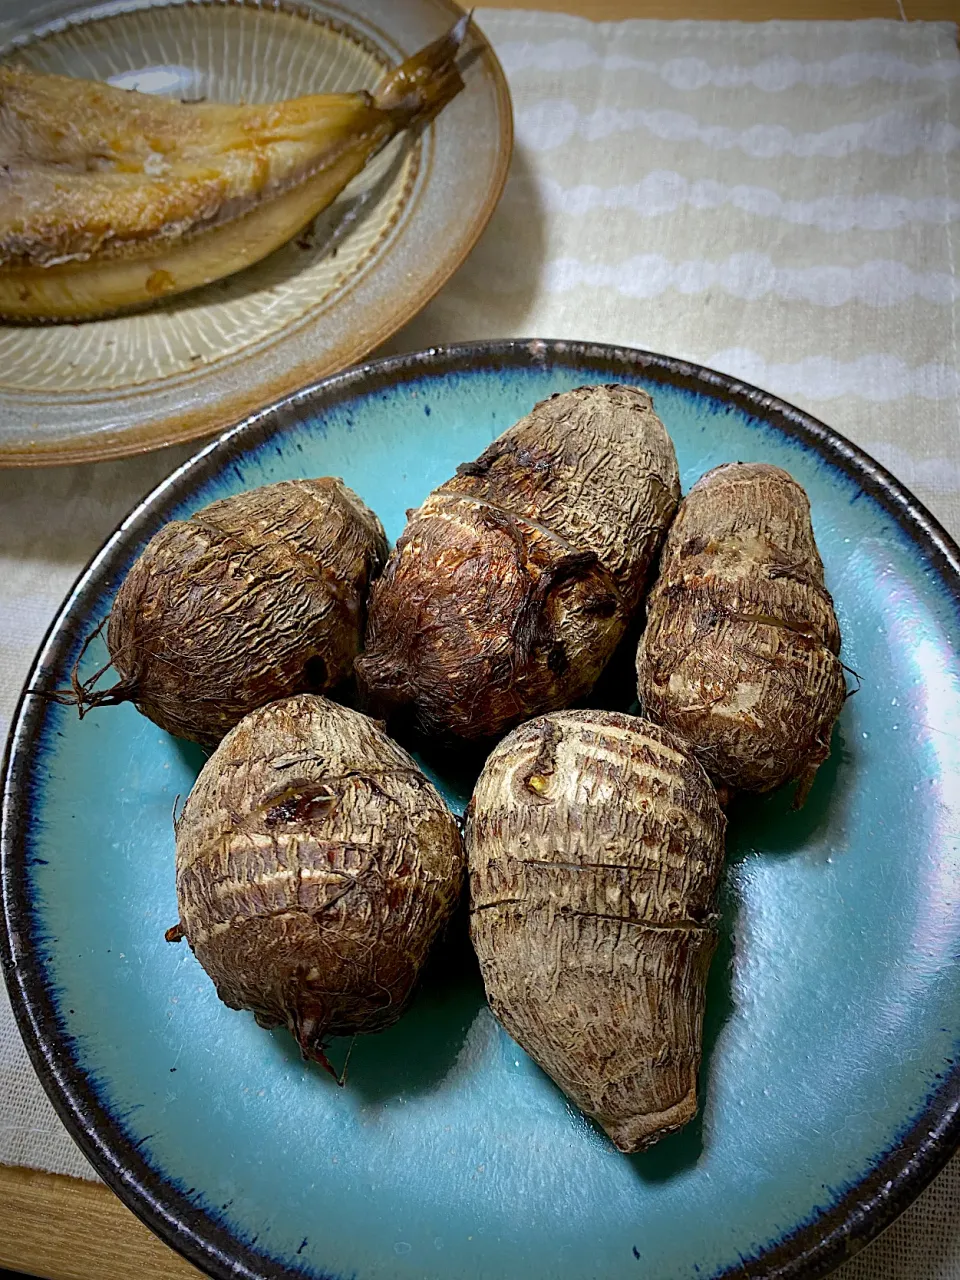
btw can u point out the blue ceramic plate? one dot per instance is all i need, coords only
(829, 1085)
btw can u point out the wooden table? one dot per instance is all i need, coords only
(64, 1229)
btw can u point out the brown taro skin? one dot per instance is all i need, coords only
(740, 651)
(511, 586)
(315, 865)
(594, 842)
(253, 598)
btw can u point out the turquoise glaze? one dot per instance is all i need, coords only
(834, 1002)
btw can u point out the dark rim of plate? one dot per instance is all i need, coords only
(814, 1248)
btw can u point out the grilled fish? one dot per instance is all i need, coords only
(110, 199)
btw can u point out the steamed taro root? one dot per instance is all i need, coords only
(512, 584)
(315, 864)
(253, 598)
(595, 841)
(739, 655)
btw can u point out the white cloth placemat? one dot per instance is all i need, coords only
(779, 200)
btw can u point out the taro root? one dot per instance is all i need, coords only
(595, 841)
(315, 864)
(253, 598)
(511, 586)
(739, 654)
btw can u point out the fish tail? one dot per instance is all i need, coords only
(421, 86)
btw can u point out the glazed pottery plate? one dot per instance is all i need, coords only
(829, 1087)
(201, 361)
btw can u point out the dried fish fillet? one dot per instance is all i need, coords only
(110, 199)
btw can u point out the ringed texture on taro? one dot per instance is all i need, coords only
(315, 865)
(511, 586)
(595, 842)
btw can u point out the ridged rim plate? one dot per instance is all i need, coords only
(204, 360)
(830, 1083)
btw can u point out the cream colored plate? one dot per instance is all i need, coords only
(198, 363)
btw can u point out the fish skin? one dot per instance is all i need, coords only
(110, 199)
